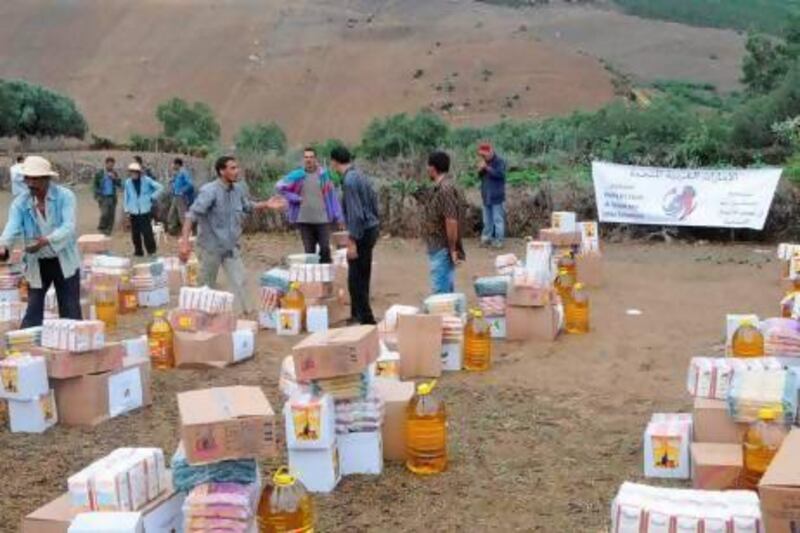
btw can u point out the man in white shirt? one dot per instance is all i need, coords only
(17, 178)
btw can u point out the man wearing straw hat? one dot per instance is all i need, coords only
(43, 218)
(138, 200)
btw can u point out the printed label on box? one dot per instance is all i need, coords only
(125, 392)
(48, 406)
(10, 377)
(666, 452)
(307, 422)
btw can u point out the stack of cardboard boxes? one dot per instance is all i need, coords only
(274, 284)
(492, 292)
(222, 425)
(580, 239)
(334, 426)
(323, 306)
(128, 491)
(533, 312)
(206, 331)
(31, 404)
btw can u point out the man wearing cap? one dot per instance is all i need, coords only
(492, 173)
(106, 184)
(138, 200)
(220, 210)
(43, 218)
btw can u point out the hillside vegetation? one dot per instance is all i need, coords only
(768, 16)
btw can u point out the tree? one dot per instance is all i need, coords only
(28, 110)
(263, 137)
(193, 125)
(401, 135)
(765, 64)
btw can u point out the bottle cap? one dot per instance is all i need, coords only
(767, 414)
(579, 286)
(283, 478)
(423, 389)
(159, 313)
(294, 285)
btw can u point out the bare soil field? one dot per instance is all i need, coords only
(325, 68)
(538, 443)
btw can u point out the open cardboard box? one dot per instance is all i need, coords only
(62, 364)
(336, 352)
(226, 423)
(204, 349)
(419, 342)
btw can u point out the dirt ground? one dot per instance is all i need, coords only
(538, 443)
(325, 68)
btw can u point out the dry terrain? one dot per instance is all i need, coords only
(325, 68)
(539, 443)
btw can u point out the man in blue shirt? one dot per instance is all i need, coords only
(138, 201)
(182, 191)
(492, 173)
(106, 184)
(43, 218)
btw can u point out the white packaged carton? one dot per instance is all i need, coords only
(310, 421)
(590, 237)
(497, 326)
(316, 318)
(107, 523)
(318, 470)
(244, 344)
(666, 447)
(452, 357)
(153, 298)
(23, 378)
(167, 517)
(33, 416)
(565, 221)
(137, 348)
(539, 262)
(361, 453)
(289, 322)
(125, 391)
(268, 319)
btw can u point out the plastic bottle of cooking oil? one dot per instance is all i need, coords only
(761, 443)
(426, 432)
(567, 262)
(105, 303)
(576, 310)
(192, 271)
(159, 338)
(285, 506)
(564, 283)
(23, 290)
(748, 341)
(128, 302)
(294, 299)
(477, 342)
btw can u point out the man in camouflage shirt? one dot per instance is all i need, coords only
(443, 224)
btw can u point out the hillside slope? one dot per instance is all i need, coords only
(322, 68)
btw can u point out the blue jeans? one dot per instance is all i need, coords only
(494, 223)
(442, 271)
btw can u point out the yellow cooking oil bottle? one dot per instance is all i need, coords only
(128, 302)
(567, 261)
(294, 299)
(192, 272)
(576, 310)
(426, 432)
(748, 341)
(761, 443)
(159, 338)
(564, 283)
(477, 342)
(285, 506)
(105, 299)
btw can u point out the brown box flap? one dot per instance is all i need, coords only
(208, 406)
(784, 470)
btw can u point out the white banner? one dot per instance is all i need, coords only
(726, 198)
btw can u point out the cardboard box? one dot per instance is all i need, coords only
(713, 424)
(23, 378)
(780, 488)
(64, 365)
(340, 284)
(532, 323)
(452, 356)
(497, 327)
(590, 269)
(33, 416)
(212, 350)
(340, 239)
(162, 515)
(419, 342)
(716, 466)
(317, 289)
(318, 470)
(336, 352)
(94, 243)
(395, 395)
(130, 522)
(310, 422)
(526, 296)
(186, 320)
(361, 453)
(226, 423)
(94, 398)
(560, 238)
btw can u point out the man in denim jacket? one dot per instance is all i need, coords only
(43, 218)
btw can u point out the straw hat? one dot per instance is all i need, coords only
(135, 167)
(36, 166)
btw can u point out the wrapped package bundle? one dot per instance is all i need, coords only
(302, 259)
(348, 387)
(311, 273)
(206, 300)
(446, 304)
(492, 286)
(361, 415)
(492, 306)
(277, 278)
(73, 335)
(754, 389)
(287, 381)
(505, 264)
(270, 298)
(20, 339)
(452, 330)
(185, 477)
(781, 337)
(710, 377)
(222, 507)
(539, 262)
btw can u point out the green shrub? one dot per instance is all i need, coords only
(402, 135)
(263, 137)
(191, 125)
(28, 110)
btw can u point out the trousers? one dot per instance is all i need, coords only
(68, 294)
